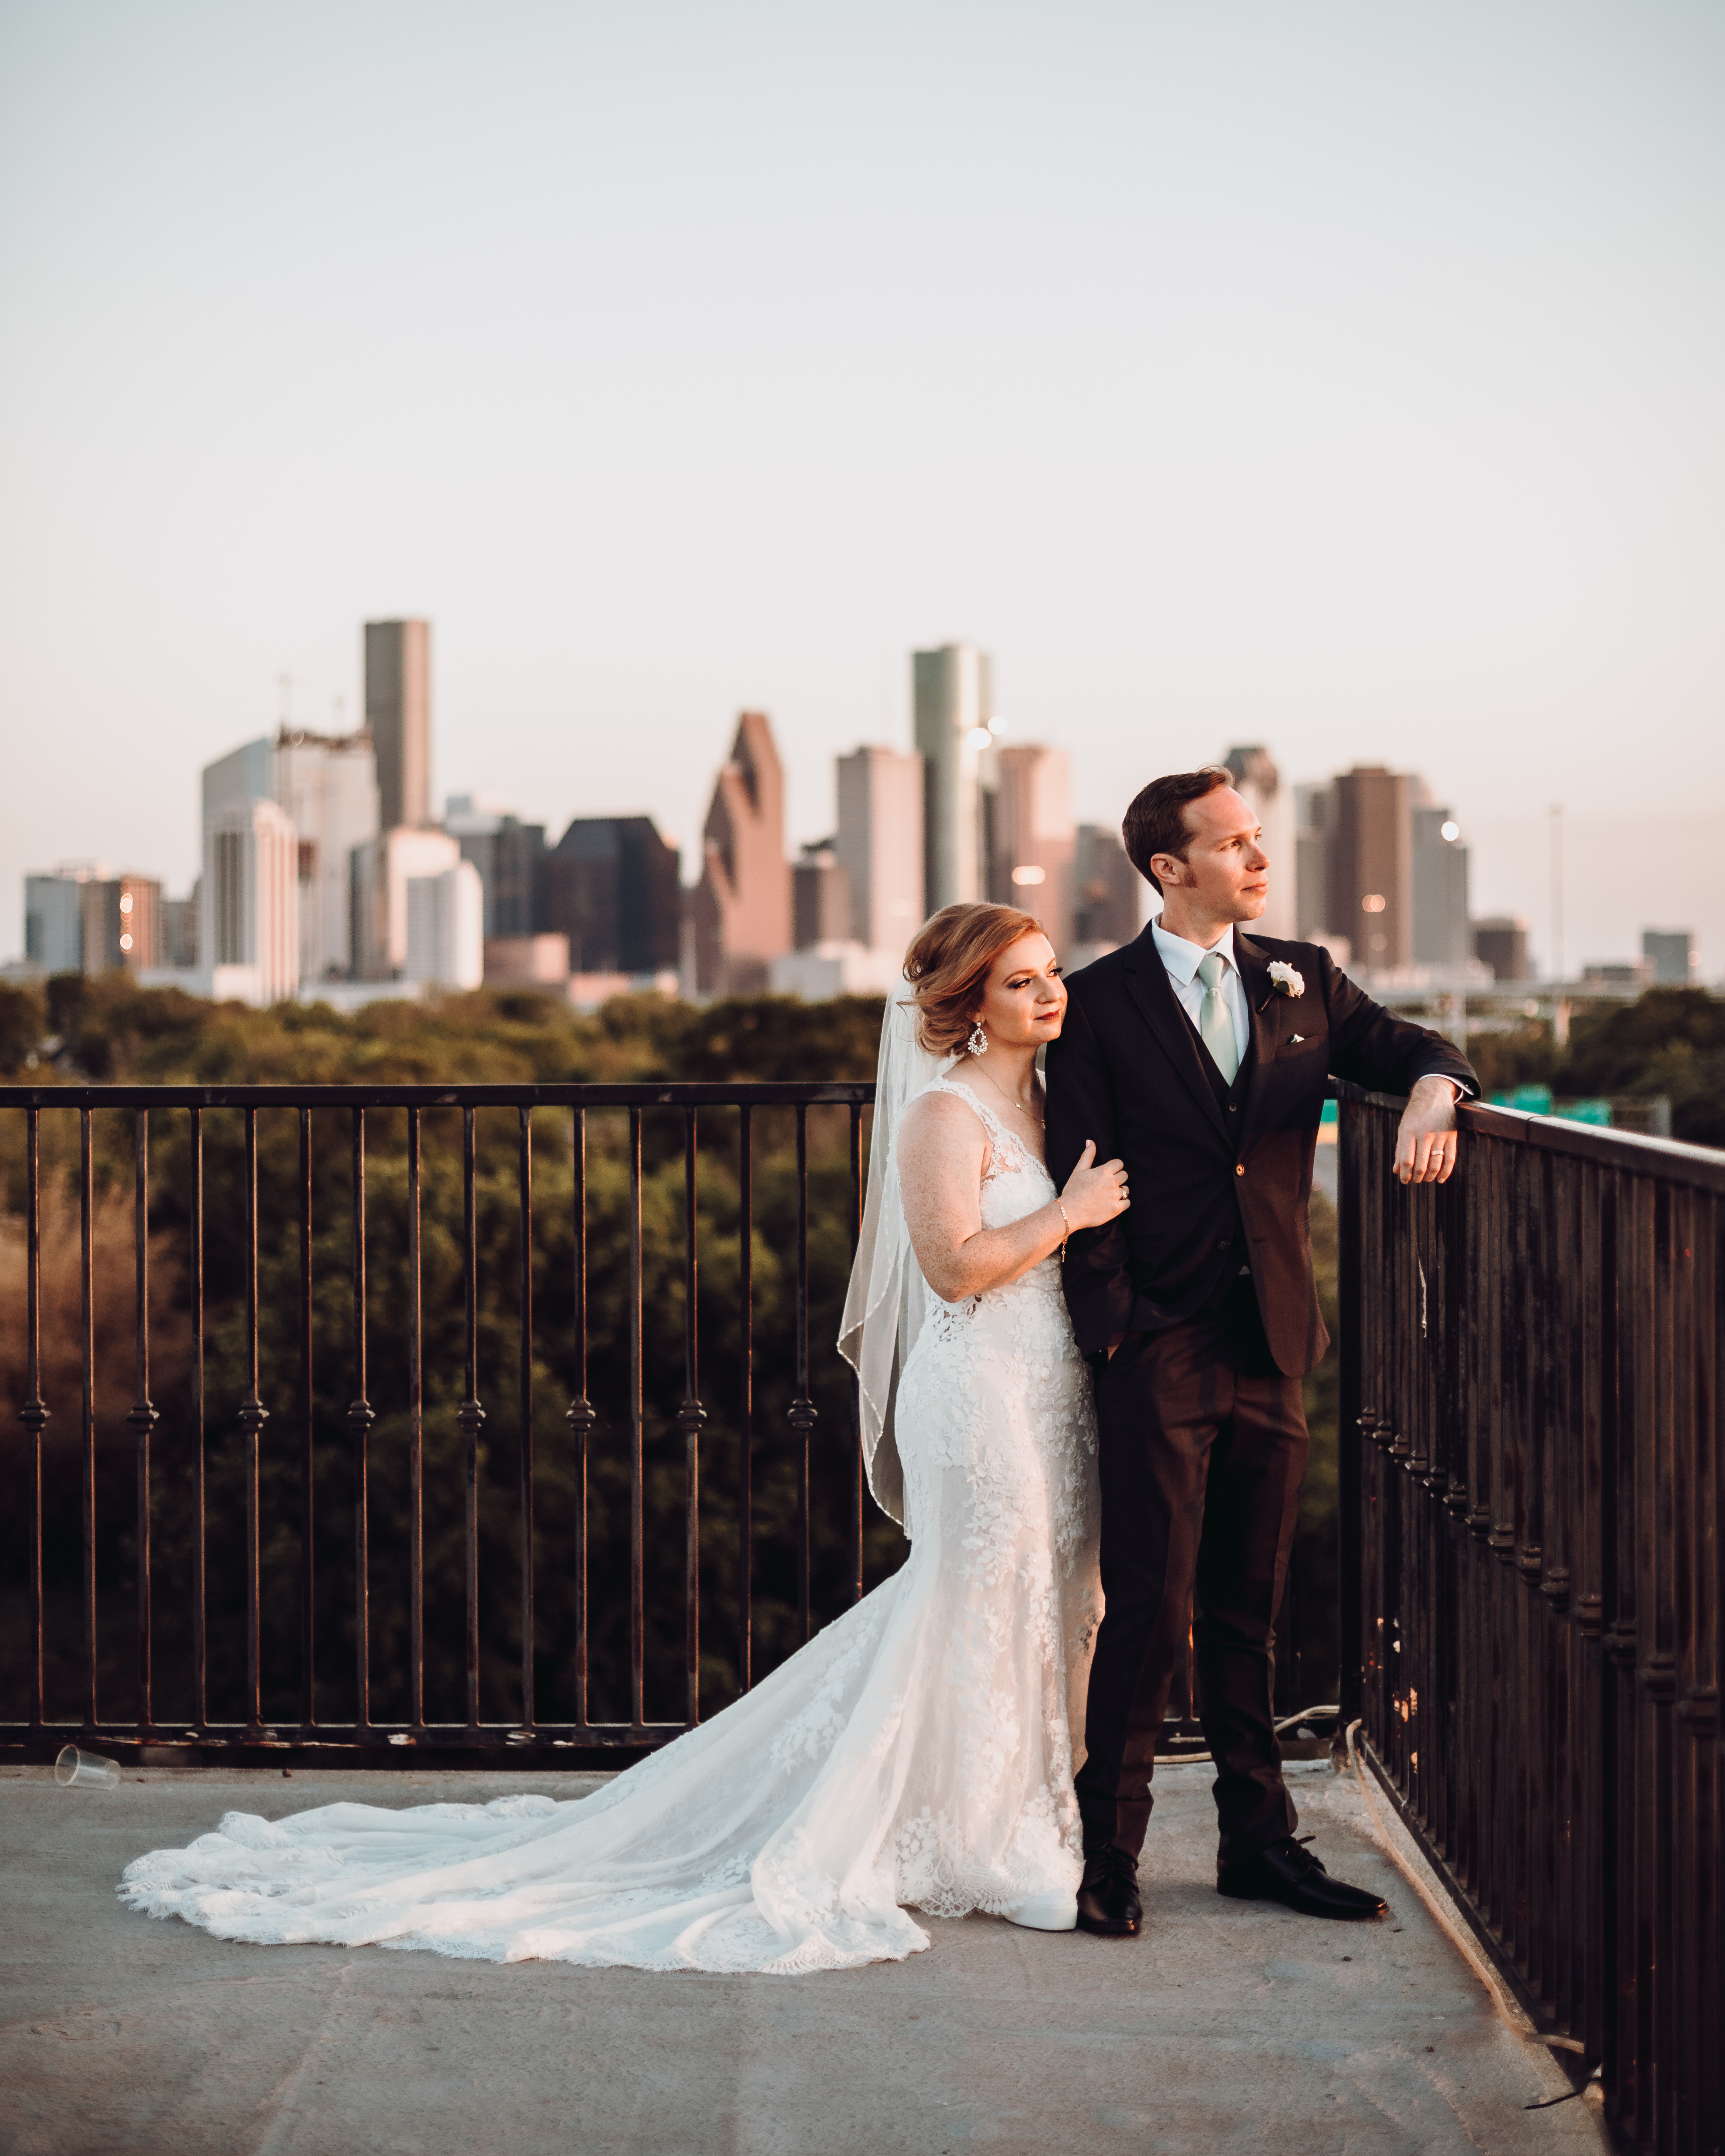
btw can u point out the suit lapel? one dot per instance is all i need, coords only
(1153, 993)
(1254, 963)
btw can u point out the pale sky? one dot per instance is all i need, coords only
(1346, 376)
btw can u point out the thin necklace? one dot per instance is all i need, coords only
(1023, 1110)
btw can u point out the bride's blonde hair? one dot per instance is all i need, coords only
(949, 962)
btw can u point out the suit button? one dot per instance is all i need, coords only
(1222, 1246)
(1240, 1168)
(1232, 1109)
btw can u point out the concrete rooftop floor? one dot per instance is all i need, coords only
(1229, 2026)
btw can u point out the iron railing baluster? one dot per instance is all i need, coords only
(361, 1415)
(746, 1403)
(854, 1478)
(471, 1415)
(252, 1417)
(35, 1412)
(308, 1439)
(142, 1417)
(690, 1417)
(416, 1438)
(582, 1413)
(525, 1191)
(803, 1415)
(200, 1585)
(86, 1344)
(637, 1539)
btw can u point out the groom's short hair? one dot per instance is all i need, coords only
(1156, 822)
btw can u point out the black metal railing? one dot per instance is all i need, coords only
(339, 1505)
(1533, 1361)
(282, 1380)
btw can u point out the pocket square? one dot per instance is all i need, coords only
(1294, 1038)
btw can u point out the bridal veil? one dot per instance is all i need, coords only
(887, 1300)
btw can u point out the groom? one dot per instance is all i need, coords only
(1198, 1054)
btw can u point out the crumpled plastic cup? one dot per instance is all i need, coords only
(84, 1770)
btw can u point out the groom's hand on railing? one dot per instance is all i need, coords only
(1426, 1143)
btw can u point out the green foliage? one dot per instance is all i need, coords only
(114, 1031)
(23, 1022)
(1670, 1041)
(1523, 1057)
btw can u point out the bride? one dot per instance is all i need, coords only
(919, 1752)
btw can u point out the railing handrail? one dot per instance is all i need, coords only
(634, 1093)
(1701, 1168)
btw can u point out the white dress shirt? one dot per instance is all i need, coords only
(1182, 959)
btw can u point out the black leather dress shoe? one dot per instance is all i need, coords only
(1287, 1873)
(1108, 1902)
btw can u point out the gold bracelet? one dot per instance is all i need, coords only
(1062, 1212)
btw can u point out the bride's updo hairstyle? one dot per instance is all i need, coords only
(949, 964)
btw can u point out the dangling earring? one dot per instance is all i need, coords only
(979, 1041)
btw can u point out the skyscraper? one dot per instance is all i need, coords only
(328, 785)
(953, 693)
(510, 857)
(613, 889)
(81, 919)
(1673, 952)
(248, 894)
(1500, 942)
(742, 907)
(1442, 932)
(398, 667)
(445, 940)
(1259, 783)
(879, 845)
(381, 871)
(249, 934)
(820, 897)
(1105, 914)
(53, 916)
(1372, 866)
(122, 923)
(179, 937)
(246, 773)
(1314, 813)
(1031, 838)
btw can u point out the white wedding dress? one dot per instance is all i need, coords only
(918, 1753)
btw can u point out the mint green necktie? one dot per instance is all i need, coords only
(1215, 1026)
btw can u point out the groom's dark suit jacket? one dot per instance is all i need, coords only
(1220, 1175)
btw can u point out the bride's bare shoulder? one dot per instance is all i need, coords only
(940, 1122)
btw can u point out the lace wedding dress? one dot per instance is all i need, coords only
(918, 1754)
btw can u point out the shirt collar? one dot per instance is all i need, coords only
(1182, 958)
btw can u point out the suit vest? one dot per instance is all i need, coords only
(1231, 1100)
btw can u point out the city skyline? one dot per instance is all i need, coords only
(483, 812)
(325, 869)
(1346, 382)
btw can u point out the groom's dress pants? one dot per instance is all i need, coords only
(1202, 1445)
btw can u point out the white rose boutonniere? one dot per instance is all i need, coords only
(1285, 980)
